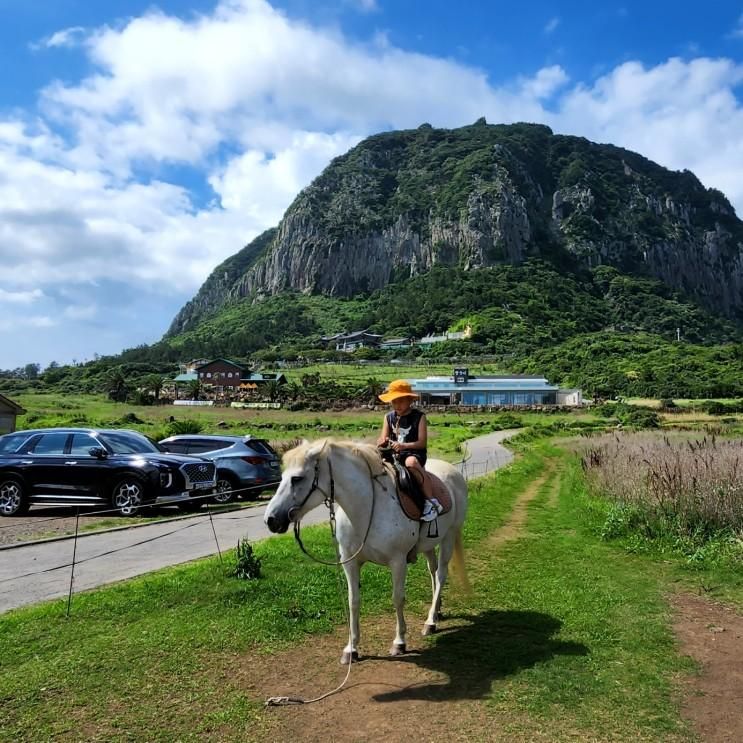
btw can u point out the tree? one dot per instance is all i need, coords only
(273, 390)
(31, 371)
(194, 389)
(117, 388)
(154, 383)
(373, 389)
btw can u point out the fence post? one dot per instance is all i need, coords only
(74, 555)
(214, 531)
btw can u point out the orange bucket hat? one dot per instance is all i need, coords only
(396, 389)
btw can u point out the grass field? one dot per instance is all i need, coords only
(565, 636)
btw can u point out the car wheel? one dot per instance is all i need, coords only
(13, 499)
(127, 496)
(226, 490)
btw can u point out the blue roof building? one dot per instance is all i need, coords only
(461, 389)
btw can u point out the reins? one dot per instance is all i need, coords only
(330, 504)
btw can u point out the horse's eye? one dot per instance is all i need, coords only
(296, 479)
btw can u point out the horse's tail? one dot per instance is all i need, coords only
(457, 563)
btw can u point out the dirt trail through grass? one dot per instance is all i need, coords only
(513, 528)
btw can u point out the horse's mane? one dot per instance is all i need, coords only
(368, 452)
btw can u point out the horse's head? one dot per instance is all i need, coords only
(303, 486)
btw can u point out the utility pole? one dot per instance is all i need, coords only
(678, 334)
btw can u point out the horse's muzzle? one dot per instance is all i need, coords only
(277, 525)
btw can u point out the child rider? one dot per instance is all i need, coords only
(406, 432)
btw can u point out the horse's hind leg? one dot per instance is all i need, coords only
(446, 550)
(399, 569)
(353, 574)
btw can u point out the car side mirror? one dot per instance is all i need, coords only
(98, 452)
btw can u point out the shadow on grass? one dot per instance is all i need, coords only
(491, 645)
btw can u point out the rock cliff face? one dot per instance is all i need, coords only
(402, 202)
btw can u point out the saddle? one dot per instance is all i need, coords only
(409, 493)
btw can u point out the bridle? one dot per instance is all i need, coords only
(330, 505)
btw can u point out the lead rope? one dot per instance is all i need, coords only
(286, 701)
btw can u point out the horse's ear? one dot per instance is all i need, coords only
(315, 448)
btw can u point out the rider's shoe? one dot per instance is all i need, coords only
(431, 510)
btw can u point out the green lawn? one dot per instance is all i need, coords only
(563, 632)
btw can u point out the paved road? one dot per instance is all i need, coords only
(39, 572)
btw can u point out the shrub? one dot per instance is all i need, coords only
(187, 425)
(639, 418)
(714, 407)
(247, 565)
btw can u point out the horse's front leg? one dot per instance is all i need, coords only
(353, 576)
(446, 550)
(399, 570)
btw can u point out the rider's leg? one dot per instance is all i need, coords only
(414, 465)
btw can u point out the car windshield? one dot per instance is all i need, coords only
(127, 442)
(11, 442)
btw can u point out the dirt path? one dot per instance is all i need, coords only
(712, 634)
(386, 699)
(514, 526)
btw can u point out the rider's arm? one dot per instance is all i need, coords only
(384, 436)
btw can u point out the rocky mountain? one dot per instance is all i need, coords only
(401, 203)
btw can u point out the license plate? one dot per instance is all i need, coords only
(202, 485)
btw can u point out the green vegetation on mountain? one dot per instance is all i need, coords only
(402, 203)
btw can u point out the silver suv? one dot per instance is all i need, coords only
(245, 465)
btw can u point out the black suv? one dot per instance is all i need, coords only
(117, 469)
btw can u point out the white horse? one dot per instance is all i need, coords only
(359, 488)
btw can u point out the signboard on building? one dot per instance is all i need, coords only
(461, 376)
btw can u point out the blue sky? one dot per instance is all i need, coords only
(141, 143)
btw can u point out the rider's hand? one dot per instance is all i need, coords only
(396, 446)
(382, 441)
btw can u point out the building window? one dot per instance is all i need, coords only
(229, 374)
(209, 375)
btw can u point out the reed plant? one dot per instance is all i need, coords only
(687, 490)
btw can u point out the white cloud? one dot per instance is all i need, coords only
(67, 37)
(254, 104)
(551, 25)
(21, 297)
(545, 83)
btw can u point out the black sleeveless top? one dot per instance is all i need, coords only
(404, 428)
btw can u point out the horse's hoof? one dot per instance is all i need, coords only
(347, 657)
(396, 649)
(428, 629)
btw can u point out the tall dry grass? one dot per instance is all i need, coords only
(687, 486)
